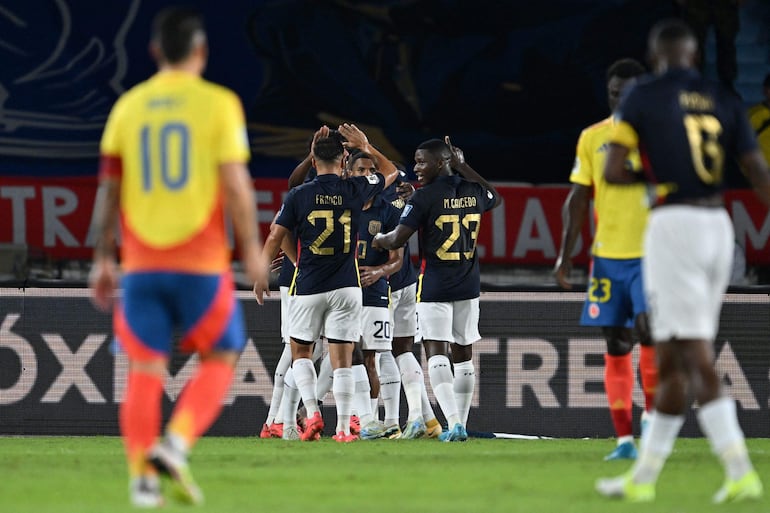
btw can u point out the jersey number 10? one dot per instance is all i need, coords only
(173, 143)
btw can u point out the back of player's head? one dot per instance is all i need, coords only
(625, 69)
(328, 149)
(177, 31)
(669, 33)
(435, 147)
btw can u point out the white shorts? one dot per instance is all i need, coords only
(335, 314)
(403, 308)
(376, 329)
(457, 321)
(686, 269)
(285, 299)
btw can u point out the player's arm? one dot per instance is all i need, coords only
(756, 171)
(573, 215)
(615, 170)
(104, 274)
(300, 172)
(241, 206)
(372, 273)
(396, 238)
(357, 139)
(272, 245)
(459, 164)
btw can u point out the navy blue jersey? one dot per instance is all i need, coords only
(406, 275)
(447, 213)
(325, 214)
(686, 128)
(380, 217)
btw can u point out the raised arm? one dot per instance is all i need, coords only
(459, 164)
(573, 215)
(357, 139)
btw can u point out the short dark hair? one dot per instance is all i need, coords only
(436, 147)
(671, 30)
(328, 149)
(174, 30)
(359, 155)
(625, 69)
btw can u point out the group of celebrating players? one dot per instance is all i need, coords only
(175, 144)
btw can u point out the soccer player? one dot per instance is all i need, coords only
(685, 127)
(421, 420)
(327, 293)
(173, 163)
(615, 300)
(375, 266)
(447, 212)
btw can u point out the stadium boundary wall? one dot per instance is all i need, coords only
(537, 372)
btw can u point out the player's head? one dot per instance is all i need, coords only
(361, 164)
(431, 159)
(329, 154)
(179, 38)
(620, 74)
(672, 44)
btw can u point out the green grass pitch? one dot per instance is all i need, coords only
(87, 474)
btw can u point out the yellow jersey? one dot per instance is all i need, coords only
(620, 211)
(759, 117)
(165, 139)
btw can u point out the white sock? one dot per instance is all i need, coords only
(290, 400)
(325, 378)
(719, 423)
(390, 388)
(375, 402)
(427, 408)
(465, 382)
(657, 446)
(306, 380)
(343, 396)
(284, 363)
(413, 382)
(362, 404)
(441, 381)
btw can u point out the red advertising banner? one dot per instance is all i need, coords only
(54, 217)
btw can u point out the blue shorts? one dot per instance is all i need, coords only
(202, 308)
(615, 295)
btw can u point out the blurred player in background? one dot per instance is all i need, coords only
(327, 296)
(615, 299)
(172, 144)
(447, 212)
(685, 126)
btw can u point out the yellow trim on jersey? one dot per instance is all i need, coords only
(624, 134)
(419, 286)
(358, 272)
(293, 284)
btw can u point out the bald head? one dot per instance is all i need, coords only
(672, 44)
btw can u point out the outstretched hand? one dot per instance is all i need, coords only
(321, 132)
(355, 137)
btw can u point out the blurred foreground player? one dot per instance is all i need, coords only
(173, 161)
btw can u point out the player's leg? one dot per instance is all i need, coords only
(362, 403)
(390, 390)
(465, 332)
(212, 323)
(619, 379)
(273, 414)
(404, 315)
(342, 328)
(143, 329)
(648, 366)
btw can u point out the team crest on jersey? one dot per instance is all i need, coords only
(398, 203)
(593, 310)
(375, 227)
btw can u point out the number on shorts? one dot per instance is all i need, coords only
(601, 285)
(462, 234)
(383, 329)
(707, 154)
(317, 247)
